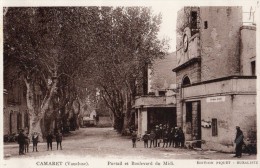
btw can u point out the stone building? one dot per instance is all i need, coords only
(15, 114)
(215, 74)
(158, 106)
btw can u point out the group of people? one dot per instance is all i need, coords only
(50, 137)
(175, 137)
(23, 140)
(162, 134)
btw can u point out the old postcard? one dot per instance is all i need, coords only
(109, 84)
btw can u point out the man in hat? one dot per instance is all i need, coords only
(145, 139)
(21, 142)
(176, 137)
(59, 140)
(239, 141)
(49, 140)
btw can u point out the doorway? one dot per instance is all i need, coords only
(193, 122)
(161, 115)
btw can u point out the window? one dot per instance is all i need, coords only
(26, 119)
(19, 121)
(205, 24)
(214, 127)
(186, 81)
(189, 112)
(253, 68)
(193, 20)
(194, 25)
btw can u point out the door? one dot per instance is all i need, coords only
(198, 137)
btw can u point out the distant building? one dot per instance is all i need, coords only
(158, 105)
(96, 113)
(216, 76)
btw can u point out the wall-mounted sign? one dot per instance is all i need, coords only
(205, 124)
(215, 99)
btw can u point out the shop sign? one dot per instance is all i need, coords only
(215, 99)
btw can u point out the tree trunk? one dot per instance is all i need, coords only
(118, 123)
(36, 114)
(35, 126)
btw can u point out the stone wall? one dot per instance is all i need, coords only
(192, 71)
(220, 41)
(247, 49)
(161, 75)
(232, 103)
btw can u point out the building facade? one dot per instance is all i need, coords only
(215, 74)
(158, 106)
(15, 114)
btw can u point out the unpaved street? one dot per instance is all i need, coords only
(105, 142)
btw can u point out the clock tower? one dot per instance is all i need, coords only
(207, 48)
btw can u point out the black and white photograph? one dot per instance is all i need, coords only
(129, 84)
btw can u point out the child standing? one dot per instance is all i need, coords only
(26, 143)
(146, 138)
(59, 140)
(152, 138)
(35, 140)
(165, 139)
(134, 137)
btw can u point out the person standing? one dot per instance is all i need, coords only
(156, 135)
(165, 138)
(145, 139)
(21, 142)
(59, 140)
(49, 140)
(152, 138)
(134, 137)
(35, 140)
(26, 143)
(181, 137)
(176, 137)
(171, 137)
(239, 141)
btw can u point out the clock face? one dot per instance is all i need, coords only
(185, 42)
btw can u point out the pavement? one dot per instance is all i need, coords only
(106, 142)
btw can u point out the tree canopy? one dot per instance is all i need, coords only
(70, 51)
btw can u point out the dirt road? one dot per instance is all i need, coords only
(105, 142)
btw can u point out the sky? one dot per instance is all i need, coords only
(168, 25)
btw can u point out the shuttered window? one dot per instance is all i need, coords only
(214, 127)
